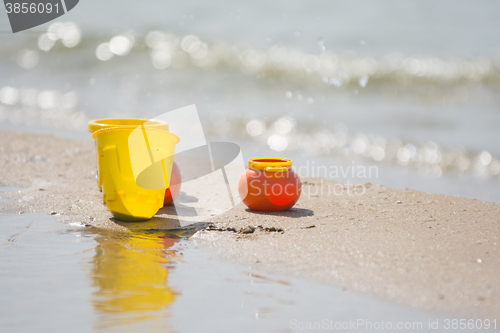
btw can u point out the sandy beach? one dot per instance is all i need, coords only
(428, 251)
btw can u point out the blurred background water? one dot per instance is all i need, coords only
(411, 87)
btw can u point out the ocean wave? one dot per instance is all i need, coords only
(336, 69)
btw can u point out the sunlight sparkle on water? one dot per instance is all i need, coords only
(363, 81)
(9, 95)
(103, 52)
(121, 45)
(45, 43)
(27, 58)
(71, 35)
(255, 127)
(277, 142)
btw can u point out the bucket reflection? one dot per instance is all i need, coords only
(130, 274)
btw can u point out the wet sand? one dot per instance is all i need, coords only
(424, 250)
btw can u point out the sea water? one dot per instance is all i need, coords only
(413, 84)
(411, 88)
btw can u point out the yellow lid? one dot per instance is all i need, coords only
(270, 164)
(98, 124)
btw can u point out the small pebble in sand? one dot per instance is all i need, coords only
(247, 230)
(479, 260)
(53, 213)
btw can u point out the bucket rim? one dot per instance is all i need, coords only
(98, 124)
(130, 129)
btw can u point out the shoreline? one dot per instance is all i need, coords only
(427, 251)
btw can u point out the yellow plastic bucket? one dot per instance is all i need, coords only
(99, 124)
(134, 163)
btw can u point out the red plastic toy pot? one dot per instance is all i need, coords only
(269, 184)
(172, 192)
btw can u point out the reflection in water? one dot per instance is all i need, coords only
(130, 273)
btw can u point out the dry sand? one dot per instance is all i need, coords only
(424, 250)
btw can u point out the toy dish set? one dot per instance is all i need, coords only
(137, 174)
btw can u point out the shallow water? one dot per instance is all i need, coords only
(68, 277)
